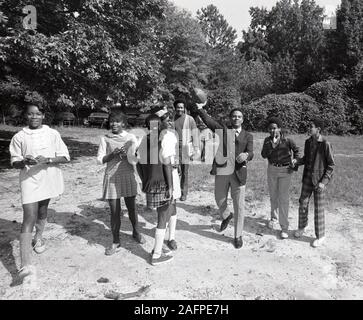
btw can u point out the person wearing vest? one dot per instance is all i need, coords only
(318, 161)
(187, 131)
(230, 167)
(156, 169)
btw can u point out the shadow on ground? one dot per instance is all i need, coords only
(93, 225)
(9, 231)
(252, 225)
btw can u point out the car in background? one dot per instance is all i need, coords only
(65, 118)
(98, 119)
(135, 118)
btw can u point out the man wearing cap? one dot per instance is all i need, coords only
(230, 165)
(187, 131)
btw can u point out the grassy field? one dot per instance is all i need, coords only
(345, 187)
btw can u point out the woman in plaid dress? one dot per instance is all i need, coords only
(117, 150)
(156, 170)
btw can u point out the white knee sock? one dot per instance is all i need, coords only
(159, 240)
(172, 227)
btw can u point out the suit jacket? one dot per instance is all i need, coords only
(188, 136)
(323, 164)
(243, 143)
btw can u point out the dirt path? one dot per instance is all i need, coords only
(206, 265)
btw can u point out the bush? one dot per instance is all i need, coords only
(221, 102)
(335, 104)
(355, 117)
(329, 100)
(13, 97)
(294, 110)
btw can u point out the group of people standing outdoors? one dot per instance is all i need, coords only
(161, 161)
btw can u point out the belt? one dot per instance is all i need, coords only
(280, 164)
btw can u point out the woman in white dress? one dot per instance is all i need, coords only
(36, 150)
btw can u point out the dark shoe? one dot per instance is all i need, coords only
(238, 243)
(225, 222)
(139, 238)
(172, 245)
(183, 198)
(161, 259)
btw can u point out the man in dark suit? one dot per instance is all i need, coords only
(235, 150)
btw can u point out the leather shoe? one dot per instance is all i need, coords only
(238, 243)
(225, 222)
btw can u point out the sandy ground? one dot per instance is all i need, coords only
(205, 266)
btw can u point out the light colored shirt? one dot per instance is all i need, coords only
(42, 181)
(231, 152)
(124, 137)
(188, 134)
(169, 144)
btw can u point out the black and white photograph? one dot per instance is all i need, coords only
(197, 152)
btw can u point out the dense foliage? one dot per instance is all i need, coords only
(95, 53)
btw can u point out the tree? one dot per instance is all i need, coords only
(181, 52)
(284, 73)
(348, 38)
(98, 52)
(255, 79)
(223, 81)
(216, 28)
(290, 29)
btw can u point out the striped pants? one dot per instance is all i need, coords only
(319, 202)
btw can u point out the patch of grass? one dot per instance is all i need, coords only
(345, 186)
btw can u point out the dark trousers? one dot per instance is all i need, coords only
(202, 150)
(184, 168)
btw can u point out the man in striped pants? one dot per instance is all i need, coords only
(318, 161)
